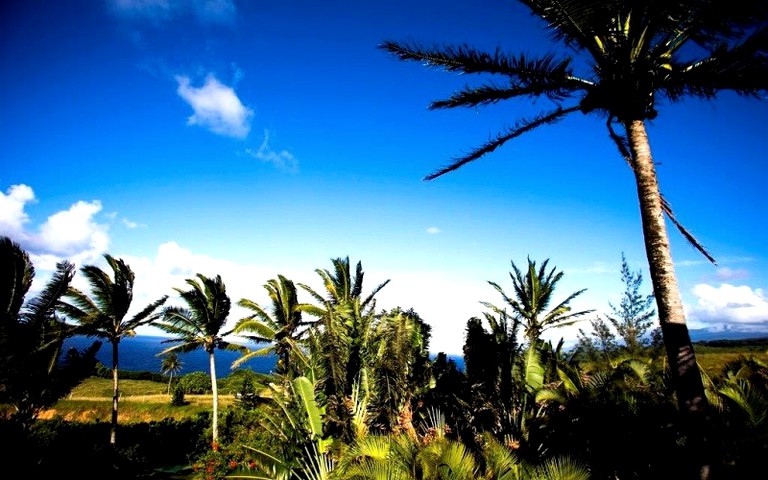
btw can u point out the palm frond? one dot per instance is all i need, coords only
(16, 278)
(623, 147)
(147, 315)
(468, 60)
(520, 128)
(573, 22)
(684, 231)
(490, 94)
(262, 352)
(44, 303)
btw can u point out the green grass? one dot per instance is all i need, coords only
(140, 401)
(102, 387)
(713, 359)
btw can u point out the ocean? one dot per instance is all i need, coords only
(139, 354)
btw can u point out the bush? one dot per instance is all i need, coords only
(196, 383)
(57, 448)
(177, 397)
(239, 381)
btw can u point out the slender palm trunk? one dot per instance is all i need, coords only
(677, 342)
(215, 390)
(115, 395)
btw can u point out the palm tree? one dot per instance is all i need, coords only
(199, 325)
(342, 343)
(633, 52)
(534, 292)
(280, 327)
(171, 366)
(31, 334)
(103, 314)
(400, 367)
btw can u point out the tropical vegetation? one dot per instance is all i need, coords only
(621, 58)
(355, 392)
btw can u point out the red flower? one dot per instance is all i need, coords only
(233, 463)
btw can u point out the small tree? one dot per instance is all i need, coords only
(171, 366)
(634, 315)
(598, 344)
(631, 320)
(177, 398)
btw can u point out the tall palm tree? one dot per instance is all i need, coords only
(171, 366)
(633, 52)
(200, 325)
(103, 314)
(280, 326)
(534, 291)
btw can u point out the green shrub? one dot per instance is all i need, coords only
(177, 398)
(196, 383)
(239, 381)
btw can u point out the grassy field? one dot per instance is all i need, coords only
(713, 359)
(144, 400)
(140, 401)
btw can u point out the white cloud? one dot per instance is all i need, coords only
(283, 160)
(726, 273)
(73, 231)
(216, 107)
(728, 307)
(205, 11)
(129, 224)
(12, 214)
(173, 264)
(73, 234)
(433, 230)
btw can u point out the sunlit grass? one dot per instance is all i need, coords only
(140, 401)
(712, 360)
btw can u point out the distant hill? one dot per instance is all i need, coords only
(708, 336)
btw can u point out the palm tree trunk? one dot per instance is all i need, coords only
(686, 376)
(215, 390)
(115, 396)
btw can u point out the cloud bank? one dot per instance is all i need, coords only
(81, 234)
(729, 307)
(216, 107)
(74, 234)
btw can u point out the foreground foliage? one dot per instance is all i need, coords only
(356, 395)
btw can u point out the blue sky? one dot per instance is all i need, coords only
(251, 139)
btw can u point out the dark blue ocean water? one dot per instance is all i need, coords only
(139, 354)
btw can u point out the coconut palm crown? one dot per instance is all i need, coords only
(534, 292)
